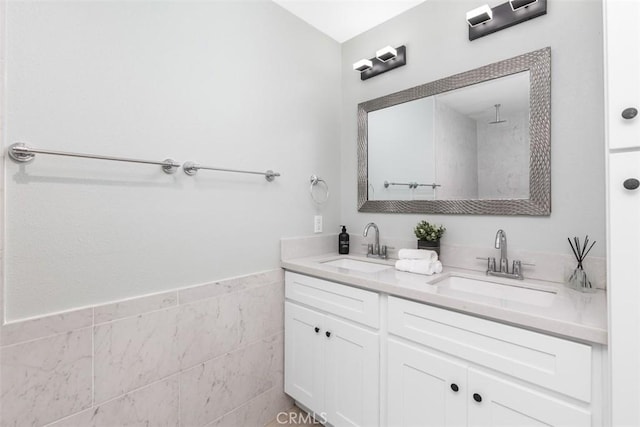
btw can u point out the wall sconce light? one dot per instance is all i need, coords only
(386, 59)
(518, 4)
(479, 15)
(386, 53)
(483, 22)
(363, 64)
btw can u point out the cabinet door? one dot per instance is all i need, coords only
(623, 288)
(303, 356)
(353, 371)
(503, 403)
(623, 70)
(421, 388)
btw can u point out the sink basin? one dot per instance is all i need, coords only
(486, 289)
(357, 265)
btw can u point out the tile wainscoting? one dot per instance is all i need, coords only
(210, 355)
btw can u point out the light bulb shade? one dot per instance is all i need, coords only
(362, 65)
(479, 15)
(519, 4)
(386, 53)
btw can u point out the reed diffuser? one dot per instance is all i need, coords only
(578, 279)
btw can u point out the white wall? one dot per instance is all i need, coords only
(401, 149)
(436, 37)
(232, 84)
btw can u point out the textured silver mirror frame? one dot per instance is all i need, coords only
(538, 63)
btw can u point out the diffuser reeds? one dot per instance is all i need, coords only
(578, 279)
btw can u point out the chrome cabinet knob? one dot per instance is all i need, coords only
(629, 113)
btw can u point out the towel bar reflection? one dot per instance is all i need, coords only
(191, 168)
(411, 184)
(22, 153)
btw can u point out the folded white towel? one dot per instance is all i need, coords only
(418, 254)
(419, 266)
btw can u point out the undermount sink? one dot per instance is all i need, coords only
(464, 286)
(357, 265)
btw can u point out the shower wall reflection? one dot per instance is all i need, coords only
(469, 143)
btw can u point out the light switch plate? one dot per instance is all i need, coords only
(317, 224)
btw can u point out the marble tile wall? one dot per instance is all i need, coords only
(210, 355)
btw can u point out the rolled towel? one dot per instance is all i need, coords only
(418, 254)
(419, 266)
(437, 267)
(434, 267)
(403, 264)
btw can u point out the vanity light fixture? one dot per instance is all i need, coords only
(483, 22)
(362, 65)
(386, 59)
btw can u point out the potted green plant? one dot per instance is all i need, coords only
(429, 236)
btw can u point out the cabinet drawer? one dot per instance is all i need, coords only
(554, 363)
(351, 303)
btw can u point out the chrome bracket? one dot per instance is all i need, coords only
(20, 153)
(190, 168)
(170, 166)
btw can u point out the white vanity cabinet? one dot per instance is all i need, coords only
(332, 350)
(450, 369)
(506, 403)
(358, 358)
(430, 389)
(622, 94)
(624, 294)
(424, 388)
(622, 43)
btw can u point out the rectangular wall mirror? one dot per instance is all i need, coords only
(473, 143)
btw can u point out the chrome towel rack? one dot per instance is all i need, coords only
(21, 152)
(191, 168)
(411, 184)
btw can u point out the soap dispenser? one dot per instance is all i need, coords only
(343, 241)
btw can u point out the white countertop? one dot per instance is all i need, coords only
(563, 312)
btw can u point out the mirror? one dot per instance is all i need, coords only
(476, 143)
(469, 143)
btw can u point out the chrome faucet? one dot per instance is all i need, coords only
(374, 250)
(503, 269)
